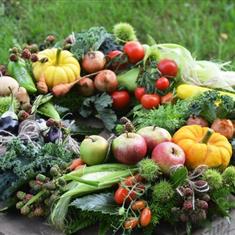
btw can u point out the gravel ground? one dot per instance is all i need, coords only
(11, 224)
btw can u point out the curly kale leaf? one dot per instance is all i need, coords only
(88, 40)
(23, 161)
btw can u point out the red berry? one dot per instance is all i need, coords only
(34, 57)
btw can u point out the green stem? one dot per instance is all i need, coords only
(58, 56)
(34, 198)
(207, 136)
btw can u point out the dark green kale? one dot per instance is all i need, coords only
(100, 106)
(88, 40)
(23, 161)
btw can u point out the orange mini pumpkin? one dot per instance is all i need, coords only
(203, 146)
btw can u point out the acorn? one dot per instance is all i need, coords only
(206, 197)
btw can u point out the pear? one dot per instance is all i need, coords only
(128, 80)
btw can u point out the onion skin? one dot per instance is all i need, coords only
(224, 127)
(197, 120)
(106, 80)
(86, 87)
(93, 61)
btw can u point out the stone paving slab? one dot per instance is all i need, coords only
(12, 224)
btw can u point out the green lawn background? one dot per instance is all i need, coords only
(205, 27)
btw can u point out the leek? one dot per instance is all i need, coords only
(85, 181)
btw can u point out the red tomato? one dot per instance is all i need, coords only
(120, 195)
(168, 68)
(139, 92)
(134, 50)
(166, 99)
(121, 99)
(131, 180)
(145, 217)
(113, 54)
(162, 83)
(131, 223)
(150, 101)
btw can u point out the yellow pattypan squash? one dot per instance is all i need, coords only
(202, 146)
(57, 66)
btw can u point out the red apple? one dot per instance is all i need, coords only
(167, 155)
(129, 148)
(154, 135)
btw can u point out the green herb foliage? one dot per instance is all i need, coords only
(170, 117)
(89, 40)
(23, 161)
(99, 105)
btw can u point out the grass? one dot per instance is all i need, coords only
(205, 27)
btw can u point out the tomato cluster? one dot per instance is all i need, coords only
(128, 193)
(168, 70)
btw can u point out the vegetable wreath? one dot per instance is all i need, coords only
(102, 129)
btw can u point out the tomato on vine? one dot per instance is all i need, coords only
(162, 83)
(150, 101)
(134, 51)
(168, 68)
(139, 92)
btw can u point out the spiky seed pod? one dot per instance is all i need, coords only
(229, 176)
(13, 57)
(148, 169)
(213, 178)
(124, 32)
(162, 192)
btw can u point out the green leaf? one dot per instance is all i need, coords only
(179, 176)
(102, 202)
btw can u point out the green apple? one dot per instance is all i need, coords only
(93, 149)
